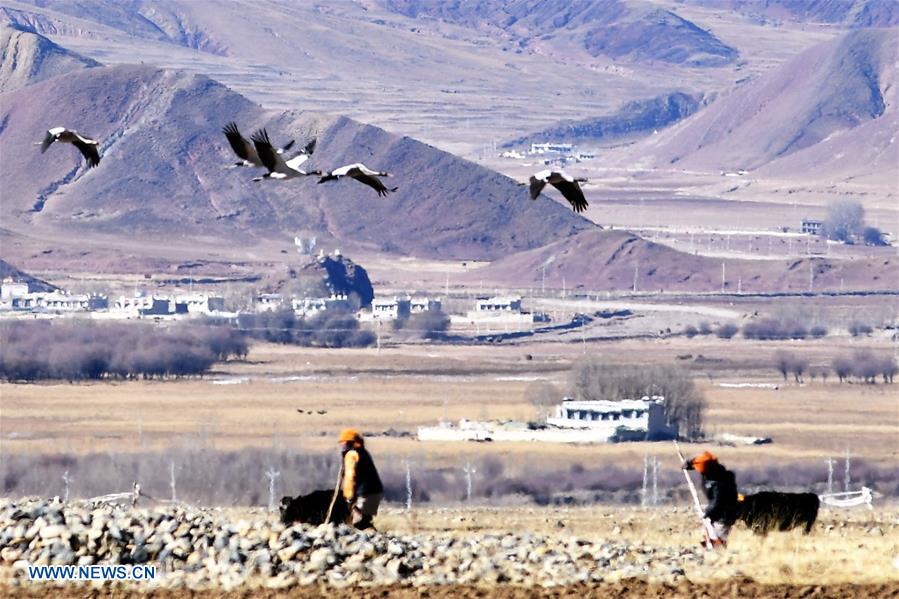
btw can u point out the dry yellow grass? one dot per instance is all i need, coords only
(408, 386)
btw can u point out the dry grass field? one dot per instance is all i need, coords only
(248, 404)
(255, 403)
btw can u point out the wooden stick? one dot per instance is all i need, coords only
(696, 504)
(336, 491)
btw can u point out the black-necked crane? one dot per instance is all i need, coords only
(271, 159)
(361, 173)
(246, 151)
(562, 181)
(88, 147)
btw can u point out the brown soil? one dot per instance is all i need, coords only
(744, 588)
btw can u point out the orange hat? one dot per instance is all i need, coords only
(702, 461)
(349, 434)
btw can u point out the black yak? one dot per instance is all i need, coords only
(313, 508)
(771, 510)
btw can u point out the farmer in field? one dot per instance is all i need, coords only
(362, 486)
(720, 487)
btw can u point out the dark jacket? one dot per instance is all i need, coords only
(360, 475)
(720, 487)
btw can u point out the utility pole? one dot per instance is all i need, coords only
(636, 273)
(723, 277)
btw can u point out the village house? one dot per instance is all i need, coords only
(627, 419)
(499, 304)
(199, 304)
(550, 147)
(811, 227)
(391, 309)
(58, 301)
(10, 289)
(573, 422)
(424, 304)
(310, 306)
(143, 305)
(266, 302)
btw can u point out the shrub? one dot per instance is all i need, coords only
(430, 324)
(818, 331)
(856, 329)
(727, 331)
(330, 328)
(691, 331)
(873, 236)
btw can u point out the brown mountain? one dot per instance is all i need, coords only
(609, 260)
(637, 31)
(822, 94)
(27, 57)
(163, 174)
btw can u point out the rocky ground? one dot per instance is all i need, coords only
(200, 552)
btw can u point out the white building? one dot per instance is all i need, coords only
(391, 308)
(199, 304)
(511, 303)
(58, 301)
(10, 289)
(424, 304)
(573, 422)
(143, 305)
(269, 301)
(549, 147)
(634, 419)
(310, 306)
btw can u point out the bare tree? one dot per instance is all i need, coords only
(845, 220)
(842, 367)
(543, 396)
(685, 406)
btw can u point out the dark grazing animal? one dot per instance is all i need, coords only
(313, 508)
(772, 510)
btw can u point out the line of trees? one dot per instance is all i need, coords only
(774, 329)
(86, 350)
(329, 328)
(592, 379)
(863, 366)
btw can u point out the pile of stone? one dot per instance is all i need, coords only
(199, 548)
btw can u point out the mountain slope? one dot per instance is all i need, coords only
(632, 119)
(634, 31)
(831, 88)
(611, 260)
(163, 173)
(854, 13)
(27, 58)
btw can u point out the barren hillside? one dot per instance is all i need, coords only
(611, 260)
(164, 174)
(822, 94)
(27, 57)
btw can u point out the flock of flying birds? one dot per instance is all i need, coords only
(261, 153)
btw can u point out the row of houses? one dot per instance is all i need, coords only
(16, 297)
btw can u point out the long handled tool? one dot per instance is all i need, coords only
(696, 504)
(336, 491)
